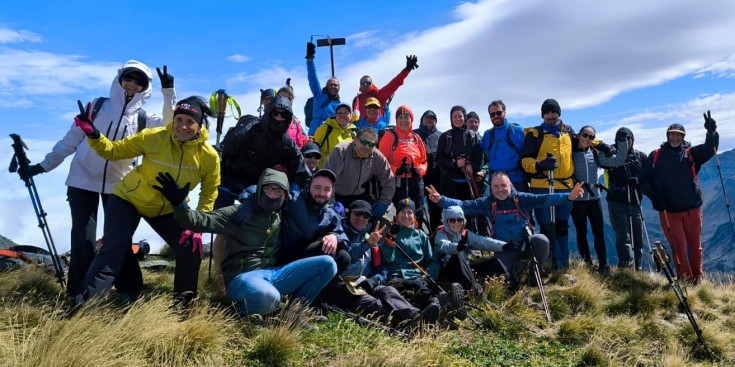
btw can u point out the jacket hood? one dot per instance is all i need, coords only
(405, 109)
(271, 176)
(451, 213)
(270, 124)
(117, 93)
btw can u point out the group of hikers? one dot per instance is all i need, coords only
(356, 212)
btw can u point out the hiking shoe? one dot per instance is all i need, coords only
(457, 296)
(308, 326)
(605, 271)
(431, 312)
(320, 319)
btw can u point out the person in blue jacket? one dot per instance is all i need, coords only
(501, 147)
(325, 99)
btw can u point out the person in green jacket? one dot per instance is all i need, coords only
(253, 281)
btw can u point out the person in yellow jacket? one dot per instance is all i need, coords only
(548, 147)
(335, 130)
(178, 150)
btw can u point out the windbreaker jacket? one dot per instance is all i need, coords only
(297, 133)
(354, 172)
(382, 94)
(361, 253)
(377, 126)
(537, 144)
(454, 143)
(192, 161)
(252, 238)
(324, 105)
(117, 120)
(410, 146)
(336, 136)
(500, 156)
(417, 246)
(623, 178)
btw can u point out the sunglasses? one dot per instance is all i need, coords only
(366, 83)
(283, 114)
(588, 136)
(277, 192)
(369, 143)
(363, 215)
(455, 220)
(127, 78)
(313, 156)
(498, 113)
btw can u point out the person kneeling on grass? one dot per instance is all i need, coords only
(252, 229)
(368, 274)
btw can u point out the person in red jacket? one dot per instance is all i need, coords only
(406, 154)
(368, 89)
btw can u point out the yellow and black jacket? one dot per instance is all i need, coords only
(537, 144)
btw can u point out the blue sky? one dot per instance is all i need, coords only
(609, 64)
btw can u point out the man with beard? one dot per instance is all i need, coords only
(501, 147)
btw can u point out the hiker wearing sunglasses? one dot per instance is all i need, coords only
(180, 150)
(335, 130)
(312, 156)
(589, 155)
(406, 154)
(294, 130)
(359, 166)
(92, 177)
(372, 117)
(369, 90)
(501, 147)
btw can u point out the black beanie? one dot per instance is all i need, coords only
(191, 108)
(473, 115)
(550, 105)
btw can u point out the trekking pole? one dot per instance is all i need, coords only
(662, 262)
(20, 162)
(220, 110)
(365, 321)
(724, 193)
(552, 215)
(630, 222)
(673, 245)
(474, 194)
(645, 230)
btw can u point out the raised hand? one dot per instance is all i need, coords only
(84, 120)
(577, 191)
(709, 123)
(310, 50)
(412, 62)
(167, 80)
(377, 233)
(434, 195)
(171, 190)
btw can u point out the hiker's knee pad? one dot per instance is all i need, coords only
(562, 228)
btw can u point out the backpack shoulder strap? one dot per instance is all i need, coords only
(326, 135)
(142, 119)
(98, 106)
(655, 156)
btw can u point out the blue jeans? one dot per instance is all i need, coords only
(259, 291)
(560, 247)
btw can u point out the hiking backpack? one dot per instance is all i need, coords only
(687, 153)
(142, 115)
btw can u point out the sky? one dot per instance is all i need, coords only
(643, 65)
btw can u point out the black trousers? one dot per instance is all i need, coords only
(383, 301)
(116, 260)
(593, 210)
(341, 257)
(84, 206)
(416, 291)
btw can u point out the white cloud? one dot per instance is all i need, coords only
(238, 58)
(18, 36)
(722, 69)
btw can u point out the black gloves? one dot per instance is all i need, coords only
(462, 244)
(412, 62)
(167, 80)
(310, 50)
(548, 164)
(633, 180)
(511, 246)
(394, 229)
(170, 189)
(369, 284)
(27, 172)
(403, 169)
(415, 171)
(709, 123)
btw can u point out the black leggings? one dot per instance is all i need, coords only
(84, 206)
(591, 209)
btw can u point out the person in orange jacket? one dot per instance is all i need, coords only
(406, 154)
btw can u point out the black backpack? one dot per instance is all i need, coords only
(142, 115)
(308, 111)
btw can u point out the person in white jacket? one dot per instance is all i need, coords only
(92, 177)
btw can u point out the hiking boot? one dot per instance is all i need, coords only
(430, 314)
(605, 271)
(320, 319)
(308, 326)
(457, 296)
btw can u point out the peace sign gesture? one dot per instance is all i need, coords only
(167, 80)
(377, 234)
(434, 195)
(84, 118)
(577, 191)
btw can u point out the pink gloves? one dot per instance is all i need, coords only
(194, 239)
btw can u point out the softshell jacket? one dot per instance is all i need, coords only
(410, 146)
(618, 182)
(354, 172)
(445, 241)
(251, 243)
(361, 253)
(249, 150)
(324, 105)
(500, 155)
(537, 144)
(418, 248)
(508, 224)
(454, 143)
(117, 120)
(192, 161)
(382, 94)
(431, 142)
(672, 182)
(336, 136)
(377, 125)
(297, 133)
(588, 161)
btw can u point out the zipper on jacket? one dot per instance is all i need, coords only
(117, 129)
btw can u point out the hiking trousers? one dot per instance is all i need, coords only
(84, 206)
(383, 301)
(629, 247)
(560, 247)
(686, 234)
(581, 211)
(116, 258)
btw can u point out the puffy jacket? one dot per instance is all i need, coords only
(445, 240)
(500, 154)
(251, 148)
(324, 105)
(297, 133)
(354, 172)
(671, 184)
(410, 146)
(417, 246)
(382, 94)
(452, 144)
(588, 161)
(508, 223)
(252, 238)
(377, 125)
(192, 161)
(537, 144)
(337, 135)
(117, 120)
(361, 253)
